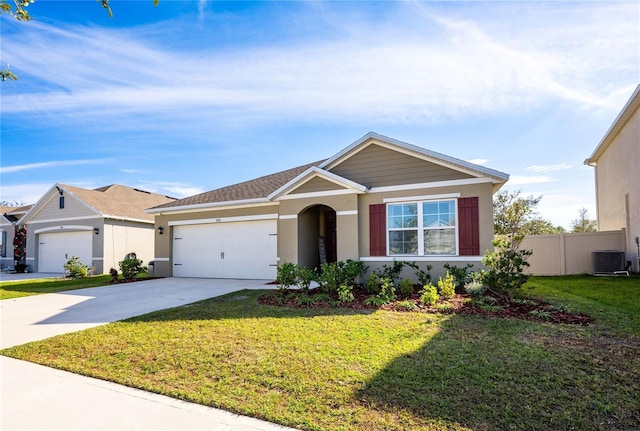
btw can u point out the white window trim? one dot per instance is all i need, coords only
(420, 228)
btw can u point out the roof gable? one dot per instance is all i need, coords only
(113, 201)
(463, 168)
(621, 120)
(314, 181)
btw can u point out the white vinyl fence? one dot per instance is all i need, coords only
(569, 253)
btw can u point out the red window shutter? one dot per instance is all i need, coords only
(469, 227)
(377, 230)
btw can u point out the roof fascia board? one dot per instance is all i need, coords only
(319, 194)
(432, 185)
(247, 203)
(314, 172)
(621, 120)
(412, 150)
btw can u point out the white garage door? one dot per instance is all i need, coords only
(245, 249)
(55, 249)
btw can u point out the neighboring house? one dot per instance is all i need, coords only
(617, 173)
(375, 201)
(8, 222)
(98, 226)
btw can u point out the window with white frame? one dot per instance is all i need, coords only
(422, 228)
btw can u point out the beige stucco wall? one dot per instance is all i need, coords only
(120, 238)
(618, 186)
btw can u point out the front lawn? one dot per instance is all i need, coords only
(336, 369)
(20, 288)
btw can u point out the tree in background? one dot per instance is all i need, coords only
(540, 226)
(511, 213)
(583, 223)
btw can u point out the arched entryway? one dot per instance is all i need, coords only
(317, 242)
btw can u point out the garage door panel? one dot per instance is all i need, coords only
(226, 250)
(55, 249)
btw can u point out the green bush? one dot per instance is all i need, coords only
(506, 267)
(345, 293)
(76, 269)
(429, 295)
(446, 287)
(460, 274)
(387, 293)
(392, 272)
(424, 277)
(475, 288)
(130, 267)
(286, 275)
(334, 274)
(373, 284)
(406, 288)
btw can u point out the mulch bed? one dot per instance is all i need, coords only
(460, 304)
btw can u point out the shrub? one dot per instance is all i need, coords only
(387, 293)
(406, 288)
(304, 278)
(114, 275)
(392, 272)
(429, 295)
(406, 305)
(345, 293)
(76, 269)
(131, 266)
(460, 274)
(373, 284)
(286, 275)
(333, 275)
(446, 287)
(424, 277)
(475, 288)
(506, 267)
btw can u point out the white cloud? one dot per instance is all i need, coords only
(44, 165)
(183, 191)
(27, 193)
(436, 68)
(548, 168)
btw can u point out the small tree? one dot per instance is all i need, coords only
(76, 269)
(506, 265)
(131, 266)
(511, 213)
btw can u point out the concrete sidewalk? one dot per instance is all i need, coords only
(41, 398)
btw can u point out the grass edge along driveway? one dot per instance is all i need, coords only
(332, 369)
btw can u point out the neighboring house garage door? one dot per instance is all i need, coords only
(55, 249)
(246, 249)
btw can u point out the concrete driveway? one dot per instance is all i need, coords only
(41, 398)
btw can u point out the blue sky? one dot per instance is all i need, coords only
(190, 96)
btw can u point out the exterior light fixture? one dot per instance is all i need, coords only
(96, 230)
(160, 230)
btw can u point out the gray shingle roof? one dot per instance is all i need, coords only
(258, 188)
(119, 201)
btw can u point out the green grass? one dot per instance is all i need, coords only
(332, 369)
(613, 301)
(20, 288)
